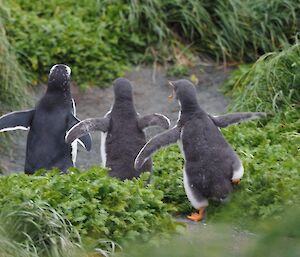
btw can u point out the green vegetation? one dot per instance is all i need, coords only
(280, 239)
(97, 205)
(99, 39)
(13, 83)
(270, 84)
(270, 155)
(270, 151)
(168, 177)
(178, 71)
(35, 229)
(49, 32)
(247, 29)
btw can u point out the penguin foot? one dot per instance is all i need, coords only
(236, 181)
(197, 216)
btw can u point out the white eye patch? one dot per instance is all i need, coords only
(52, 69)
(68, 69)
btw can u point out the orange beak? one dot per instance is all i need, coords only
(171, 96)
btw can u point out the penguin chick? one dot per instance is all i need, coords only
(122, 133)
(211, 165)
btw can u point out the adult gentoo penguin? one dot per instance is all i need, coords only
(211, 165)
(47, 124)
(123, 135)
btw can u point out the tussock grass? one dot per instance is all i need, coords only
(226, 30)
(105, 37)
(249, 28)
(271, 84)
(13, 84)
(36, 229)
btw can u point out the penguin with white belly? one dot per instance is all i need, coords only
(122, 133)
(211, 165)
(47, 124)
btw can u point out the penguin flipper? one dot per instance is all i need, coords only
(166, 138)
(155, 119)
(86, 142)
(16, 120)
(84, 139)
(82, 128)
(225, 120)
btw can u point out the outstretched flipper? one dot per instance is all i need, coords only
(225, 120)
(153, 120)
(84, 139)
(84, 127)
(16, 120)
(157, 142)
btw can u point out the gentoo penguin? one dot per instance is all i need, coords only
(47, 124)
(211, 165)
(123, 132)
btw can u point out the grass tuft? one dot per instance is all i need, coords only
(13, 84)
(33, 228)
(271, 84)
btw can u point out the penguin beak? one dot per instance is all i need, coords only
(171, 97)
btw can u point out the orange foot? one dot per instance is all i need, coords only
(236, 181)
(197, 216)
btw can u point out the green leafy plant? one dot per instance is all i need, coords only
(168, 177)
(97, 205)
(44, 37)
(178, 70)
(271, 180)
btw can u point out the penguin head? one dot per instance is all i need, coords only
(185, 93)
(122, 89)
(59, 77)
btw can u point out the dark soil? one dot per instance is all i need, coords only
(151, 96)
